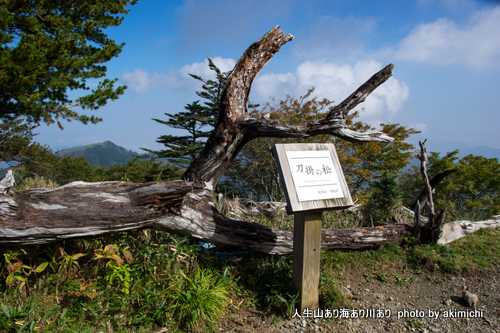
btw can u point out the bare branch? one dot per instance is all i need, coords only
(423, 170)
(234, 97)
(422, 198)
(359, 96)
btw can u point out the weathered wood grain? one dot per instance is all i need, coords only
(306, 258)
(92, 209)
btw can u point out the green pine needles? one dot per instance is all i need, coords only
(198, 120)
(385, 200)
(50, 47)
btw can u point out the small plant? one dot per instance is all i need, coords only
(398, 278)
(382, 277)
(290, 300)
(198, 299)
(86, 289)
(368, 277)
(18, 318)
(119, 274)
(415, 322)
(17, 271)
(68, 263)
(409, 278)
(329, 295)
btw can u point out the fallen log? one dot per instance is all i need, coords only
(82, 209)
(458, 229)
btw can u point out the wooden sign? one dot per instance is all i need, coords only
(313, 181)
(312, 177)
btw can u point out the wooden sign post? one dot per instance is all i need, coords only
(313, 182)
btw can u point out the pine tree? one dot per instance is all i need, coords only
(212, 91)
(385, 200)
(50, 47)
(182, 150)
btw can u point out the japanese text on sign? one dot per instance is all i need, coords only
(314, 175)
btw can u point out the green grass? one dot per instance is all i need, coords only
(145, 280)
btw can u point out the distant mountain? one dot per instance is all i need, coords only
(488, 152)
(100, 154)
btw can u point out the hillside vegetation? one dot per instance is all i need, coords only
(145, 280)
(103, 154)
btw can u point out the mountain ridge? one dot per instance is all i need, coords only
(104, 153)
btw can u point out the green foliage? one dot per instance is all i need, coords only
(330, 296)
(17, 146)
(48, 47)
(19, 318)
(56, 170)
(120, 274)
(63, 170)
(212, 90)
(470, 192)
(385, 200)
(415, 322)
(70, 169)
(68, 264)
(183, 149)
(199, 299)
(479, 250)
(145, 278)
(141, 170)
(271, 279)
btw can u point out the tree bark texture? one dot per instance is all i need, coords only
(184, 207)
(84, 209)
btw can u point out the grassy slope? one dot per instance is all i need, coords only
(168, 277)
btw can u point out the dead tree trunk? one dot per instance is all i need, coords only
(184, 207)
(235, 127)
(431, 231)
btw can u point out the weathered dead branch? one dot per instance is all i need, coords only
(431, 231)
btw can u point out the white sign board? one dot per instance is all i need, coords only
(314, 175)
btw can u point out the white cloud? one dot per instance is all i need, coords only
(443, 42)
(138, 81)
(419, 127)
(201, 68)
(336, 83)
(177, 79)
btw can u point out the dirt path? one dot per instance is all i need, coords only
(411, 299)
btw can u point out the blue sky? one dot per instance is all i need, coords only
(445, 82)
